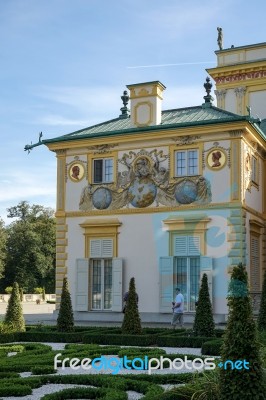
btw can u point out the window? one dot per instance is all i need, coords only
(187, 268)
(255, 263)
(187, 278)
(101, 284)
(254, 174)
(187, 162)
(103, 170)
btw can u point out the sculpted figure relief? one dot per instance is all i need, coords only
(144, 181)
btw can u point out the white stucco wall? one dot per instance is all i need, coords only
(230, 101)
(257, 101)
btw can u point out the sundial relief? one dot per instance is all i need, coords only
(143, 180)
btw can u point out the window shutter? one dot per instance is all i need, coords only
(117, 275)
(82, 284)
(95, 248)
(255, 267)
(193, 245)
(107, 248)
(206, 268)
(180, 246)
(166, 284)
(101, 248)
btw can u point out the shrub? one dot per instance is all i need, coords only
(8, 289)
(204, 322)
(65, 320)
(131, 322)
(38, 290)
(14, 313)
(262, 311)
(241, 343)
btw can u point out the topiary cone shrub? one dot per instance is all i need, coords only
(131, 322)
(240, 343)
(14, 313)
(65, 320)
(204, 322)
(262, 312)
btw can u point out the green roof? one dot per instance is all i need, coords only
(206, 114)
(190, 116)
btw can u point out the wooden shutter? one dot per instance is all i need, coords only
(107, 248)
(206, 268)
(180, 246)
(186, 246)
(166, 283)
(101, 248)
(117, 275)
(82, 284)
(193, 245)
(255, 263)
(95, 248)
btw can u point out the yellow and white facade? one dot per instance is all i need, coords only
(164, 196)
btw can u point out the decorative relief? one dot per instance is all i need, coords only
(217, 157)
(102, 148)
(248, 171)
(241, 77)
(145, 180)
(76, 170)
(236, 133)
(185, 140)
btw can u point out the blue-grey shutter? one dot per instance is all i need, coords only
(82, 284)
(95, 248)
(180, 246)
(107, 248)
(117, 276)
(166, 284)
(193, 246)
(206, 268)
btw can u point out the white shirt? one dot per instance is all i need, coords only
(179, 299)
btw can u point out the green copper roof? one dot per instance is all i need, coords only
(181, 117)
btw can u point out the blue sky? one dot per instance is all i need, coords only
(64, 65)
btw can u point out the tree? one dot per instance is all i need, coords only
(30, 248)
(262, 312)
(2, 248)
(204, 323)
(131, 322)
(65, 320)
(240, 343)
(14, 313)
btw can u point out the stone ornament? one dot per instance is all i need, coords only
(76, 171)
(216, 159)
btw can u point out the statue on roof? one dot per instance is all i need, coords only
(220, 38)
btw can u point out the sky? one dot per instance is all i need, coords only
(65, 63)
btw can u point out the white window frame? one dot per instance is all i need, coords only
(104, 175)
(186, 168)
(102, 265)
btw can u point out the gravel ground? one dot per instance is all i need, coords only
(51, 388)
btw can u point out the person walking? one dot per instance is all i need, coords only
(178, 309)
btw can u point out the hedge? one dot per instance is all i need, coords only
(212, 347)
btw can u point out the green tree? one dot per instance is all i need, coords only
(204, 322)
(3, 253)
(30, 248)
(262, 312)
(14, 313)
(65, 320)
(131, 322)
(241, 343)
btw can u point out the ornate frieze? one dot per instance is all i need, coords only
(144, 181)
(101, 148)
(185, 140)
(241, 77)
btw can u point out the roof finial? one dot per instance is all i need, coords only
(124, 110)
(208, 98)
(220, 38)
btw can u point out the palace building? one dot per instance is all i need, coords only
(165, 196)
